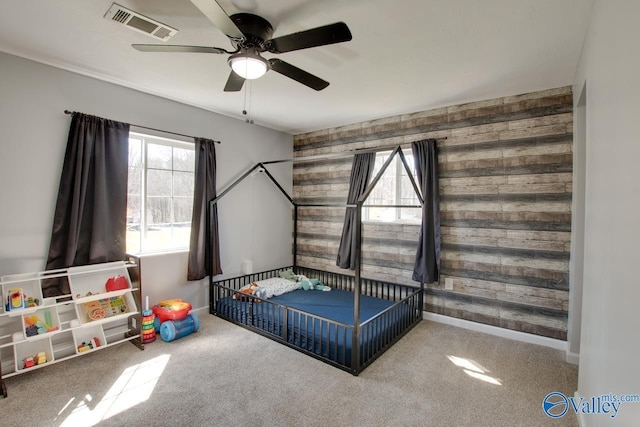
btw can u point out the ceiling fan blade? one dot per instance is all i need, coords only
(234, 83)
(177, 48)
(216, 14)
(297, 74)
(320, 36)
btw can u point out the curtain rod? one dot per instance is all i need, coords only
(149, 128)
(348, 153)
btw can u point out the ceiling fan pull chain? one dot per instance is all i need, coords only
(247, 87)
(250, 120)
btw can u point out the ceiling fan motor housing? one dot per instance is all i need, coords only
(255, 28)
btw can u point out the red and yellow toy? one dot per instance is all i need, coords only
(171, 309)
(173, 320)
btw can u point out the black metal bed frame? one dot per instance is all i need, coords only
(299, 329)
(312, 334)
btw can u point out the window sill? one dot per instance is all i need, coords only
(158, 253)
(397, 222)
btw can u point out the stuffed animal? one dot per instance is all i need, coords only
(312, 284)
(290, 275)
(251, 289)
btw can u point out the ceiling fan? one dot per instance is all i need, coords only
(250, 35)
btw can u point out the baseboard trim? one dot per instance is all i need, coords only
(573, 358)
(494, 330)
(200, 311)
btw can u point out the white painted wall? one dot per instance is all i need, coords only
(610, 339)
(576, 265)
(33, 134)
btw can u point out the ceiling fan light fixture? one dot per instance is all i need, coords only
(248, 65)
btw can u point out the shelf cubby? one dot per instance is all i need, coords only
(91, 338)
(32, 349)
(44, 321)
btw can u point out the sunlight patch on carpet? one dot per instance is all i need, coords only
(474, 370)
(133, 387)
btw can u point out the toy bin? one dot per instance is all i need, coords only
(89, 338)
(87, 282)
(100, 310)
(43, 321)
(21, 293)
(31, 349)
(63, 345)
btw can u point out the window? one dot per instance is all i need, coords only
(160, 193)
(394, 188)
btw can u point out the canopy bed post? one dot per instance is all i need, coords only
(355, 357)
(276, 183)
(410, 175)
(295, 235)
(214, 294)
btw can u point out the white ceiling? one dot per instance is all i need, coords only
(405, 56)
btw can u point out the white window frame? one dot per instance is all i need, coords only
(399, 169)
(157, 140)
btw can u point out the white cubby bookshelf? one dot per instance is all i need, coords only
(89, 319)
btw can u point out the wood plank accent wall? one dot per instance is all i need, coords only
(505, 183)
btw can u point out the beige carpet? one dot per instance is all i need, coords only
(437, 375)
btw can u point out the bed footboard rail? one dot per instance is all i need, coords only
(252, 312)
(382, 331)
(323, 338)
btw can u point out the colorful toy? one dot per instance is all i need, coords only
(148, 324)
(35, 326)
(17, 299)
(94, 310)
(148, 327)
(116, 283)
(86, 346)
(31, 330)
(171, 309)
(173, 320)
(175, 329)
(106, 307)
(41, 358)
(28, 362)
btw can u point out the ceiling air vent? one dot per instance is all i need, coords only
(139, 22)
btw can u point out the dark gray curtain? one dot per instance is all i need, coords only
(361, 171)
(427, 265)
(204, 245)
(89, 224)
